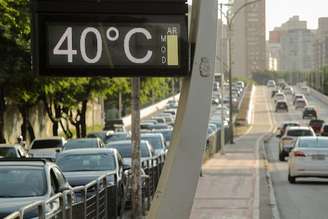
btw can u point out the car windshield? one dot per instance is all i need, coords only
(316, 122)
(19, 181)
(155, 141)
(125, 149)
(86, 162)
(299, 132)
(47, 143)
(8, 152)
(75, 144)
(313, 143)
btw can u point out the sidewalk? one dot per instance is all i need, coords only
(229, 187)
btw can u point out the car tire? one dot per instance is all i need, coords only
(291, 179)
(281, 157)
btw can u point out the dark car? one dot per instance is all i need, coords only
(82, 166)
(25, 181)
(316, 125)
(281, 105)
(324, 130)
(83, 143)
(12, 151)
(309, 112)
(107, 136)
(167, 133)
(157, 142)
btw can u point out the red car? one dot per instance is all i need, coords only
(316, 125)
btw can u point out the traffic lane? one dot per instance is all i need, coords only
(309, 197)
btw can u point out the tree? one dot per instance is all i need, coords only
(14, 49)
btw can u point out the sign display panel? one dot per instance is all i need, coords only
(147, 45)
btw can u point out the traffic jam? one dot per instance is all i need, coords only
(303, 142)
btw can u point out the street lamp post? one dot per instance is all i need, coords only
(230, 18)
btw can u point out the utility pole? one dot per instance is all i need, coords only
(135, 129)
(222, 138)
(230, 18)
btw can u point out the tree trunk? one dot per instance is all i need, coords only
(30, 131)
(24, 126)
(2, 113)
(58, 116)
(83, 118)
(78, 130)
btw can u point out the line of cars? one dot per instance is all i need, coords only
(306, 146)
(53, 165)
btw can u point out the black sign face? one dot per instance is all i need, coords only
(140, 45)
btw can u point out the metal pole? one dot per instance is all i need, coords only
(229, 24)
(135, 125)
(222, 139)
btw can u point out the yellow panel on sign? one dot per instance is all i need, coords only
(172, 50)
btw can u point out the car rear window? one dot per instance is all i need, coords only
(126, 150)
(316, 122)
(325, 128)
(313, 143)
(299, 132)
(8, 152)
(87, 162)
(49, 143)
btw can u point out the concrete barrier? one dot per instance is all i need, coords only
(150, 110)
(250, 107)
(323, 98)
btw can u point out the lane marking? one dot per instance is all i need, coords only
(273, 200)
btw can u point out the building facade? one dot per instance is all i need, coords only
(291, 47)
(321, 44)
(248, 38)
(296, 53)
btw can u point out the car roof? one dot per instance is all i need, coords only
(35, 162)
(82, 139)
(49, 138)
(124, 142)
(9, 145)
(149, 134)
(298, 128)
(281, 101)
(290, 122)
(88, 151)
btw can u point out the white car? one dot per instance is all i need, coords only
(289, 90)
(46, 147)
(300, 103)
(287, 141)
(279, 96)
(309, 158)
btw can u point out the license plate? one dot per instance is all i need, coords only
(318, 157)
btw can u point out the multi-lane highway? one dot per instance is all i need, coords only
(308, 199)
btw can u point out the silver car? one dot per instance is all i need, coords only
(287, 141)
(309, 158)
(24, 181)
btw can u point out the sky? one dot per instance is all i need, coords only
(279, 11)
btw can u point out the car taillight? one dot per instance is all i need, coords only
(299, 154)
